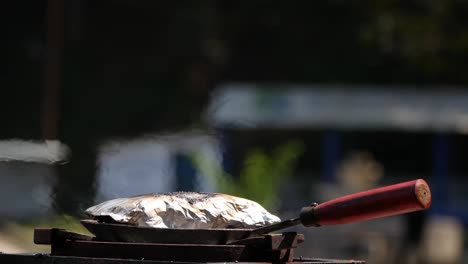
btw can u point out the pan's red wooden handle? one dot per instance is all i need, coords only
(380, 202)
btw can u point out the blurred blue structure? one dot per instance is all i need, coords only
(337, 109)
(331, 155)
(185, 173)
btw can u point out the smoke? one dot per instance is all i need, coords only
(46, 152)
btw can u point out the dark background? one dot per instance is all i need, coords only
(85, 71)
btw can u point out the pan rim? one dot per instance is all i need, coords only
(96, 222)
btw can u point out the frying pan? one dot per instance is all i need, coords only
(375, 203)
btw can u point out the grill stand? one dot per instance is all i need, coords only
(267, 248)
(72, 248)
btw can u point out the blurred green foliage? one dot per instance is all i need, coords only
(261, 176)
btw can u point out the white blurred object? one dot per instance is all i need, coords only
(254, 106)
(442, 241)
(188, 210)
(26, 189)
(47, 151)
(146, 164)
(360, 171)
(27, 174)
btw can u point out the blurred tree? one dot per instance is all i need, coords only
(390, 41)
(429, 37)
